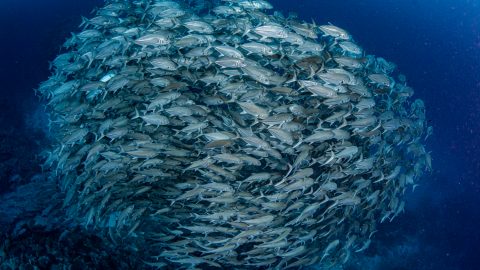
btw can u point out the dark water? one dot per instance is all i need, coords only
(435, 43)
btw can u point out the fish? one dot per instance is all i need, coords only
(263, 220)
(257, 48)
(163, 63)
(334, 31)
(153, 40)
(271, 31)
(230, 62)
(198, 27)
(153, 119)
(224, 134)
(228, 51)
(319, 136)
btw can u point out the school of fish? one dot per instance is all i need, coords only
(223, 134)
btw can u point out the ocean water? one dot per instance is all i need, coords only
(435, 44)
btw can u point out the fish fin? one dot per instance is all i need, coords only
(137, 114)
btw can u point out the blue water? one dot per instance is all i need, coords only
(435, 43)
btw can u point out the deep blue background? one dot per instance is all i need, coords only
(435, 43)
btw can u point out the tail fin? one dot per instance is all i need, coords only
(84, 22)
(137, 114)
(293, 79)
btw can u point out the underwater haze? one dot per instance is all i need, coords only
(434, 43)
